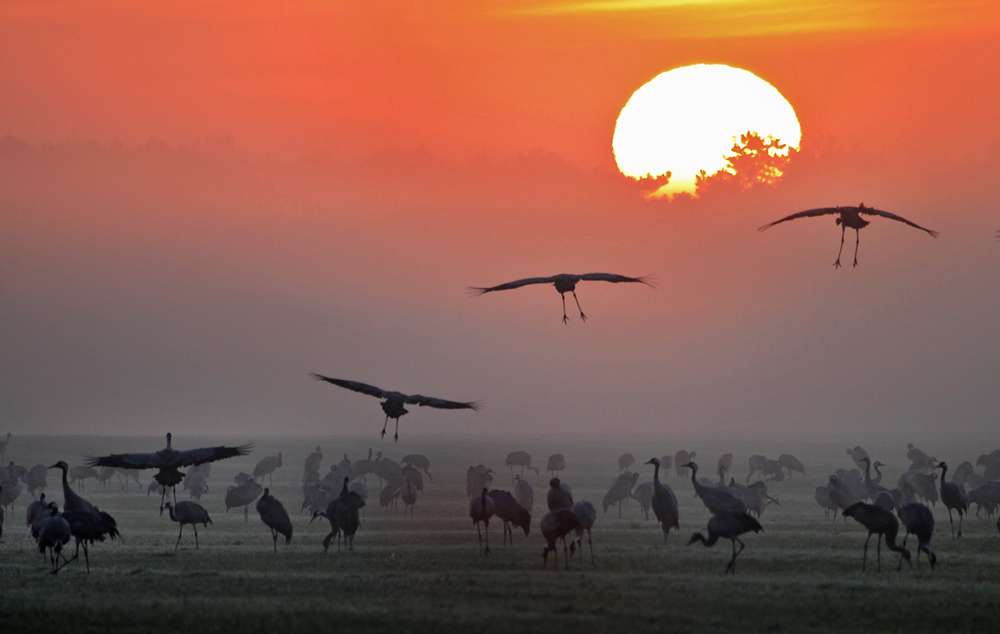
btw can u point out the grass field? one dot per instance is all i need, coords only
(803, 574)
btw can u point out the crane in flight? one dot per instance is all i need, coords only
(564, 283)
(394, 401)
(168, 461)
(849, 217)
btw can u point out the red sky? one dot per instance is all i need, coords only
(196, 283)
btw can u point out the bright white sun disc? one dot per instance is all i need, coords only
(684, 121)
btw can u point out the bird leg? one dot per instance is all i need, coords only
(274, 538)
(878, 551)
(480, 532)
(864, 560)
(857, 243)
(195, 535)
(179, 533)
(582, 316)
(591, 542)
(565, 318)
(960, 523)
(565, 555)
(385, 425)
(487, 552)
(836, 264)
(952, 523)
(86, 556)
(396, 437)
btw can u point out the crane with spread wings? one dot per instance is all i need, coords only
(394, 401)
(564, 283)
(168, 462)
(849, 217)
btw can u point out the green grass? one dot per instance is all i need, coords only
(803, 574)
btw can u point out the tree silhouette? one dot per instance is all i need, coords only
(755, 160)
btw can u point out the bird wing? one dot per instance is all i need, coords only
(364, 388)
(126, 461)
(477, 290)
(808, 213)
(611, 277)
(440, 403)
(885, 214)
(193, 457)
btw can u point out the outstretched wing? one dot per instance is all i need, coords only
(126, 461)
(808, 213)
(614, 279)
(364, 388)
(193, 457)
(885, 214)
(477, 290)
(440, 403)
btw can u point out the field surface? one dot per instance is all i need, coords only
(802, 574)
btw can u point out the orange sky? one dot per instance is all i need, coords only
(196, 283)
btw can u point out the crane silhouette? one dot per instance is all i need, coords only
(168, 461)
(953, 497)
(394, 401)
(481, 509)
(879, 522)
(664, 502)
(919, 520)
(564, 283)
(273, 514)
(849, 217)
(555, 526)
(716, 500)
(729, 525)
(187, 513)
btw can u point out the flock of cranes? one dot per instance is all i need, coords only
(733, 509)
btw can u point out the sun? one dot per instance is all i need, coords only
(685, 120)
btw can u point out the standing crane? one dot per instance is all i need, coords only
(953, 497)
(716, 500)
(586, 515)
(187, 513)
(273, 514)
(510, 512)
(87, 523)
(664, 502)
(481, 509)
(266, 467)
(849, 217)
(557, 525)
(729, 525)
(564, 283)
(168, 462)
(394, 401)
(559, 496)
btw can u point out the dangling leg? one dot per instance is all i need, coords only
(396, 437)
(836, 264)
(385, 425)
(565, 318)
(856, 245)
(582, 316)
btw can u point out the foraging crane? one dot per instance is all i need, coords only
(715, 500)
(510, 512)
(878, 522)
(953, 497)
(187, 513)
(728, 525)
(564, 283)
(919, 520)
(419, 461)
(849, 217)
(519, 459)
(664, 502)
(273, 514)
(557, 525)
(791, 463)
(481, 509)
(524, 493)
(343, 515)
(168, 462)
(394, 401)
